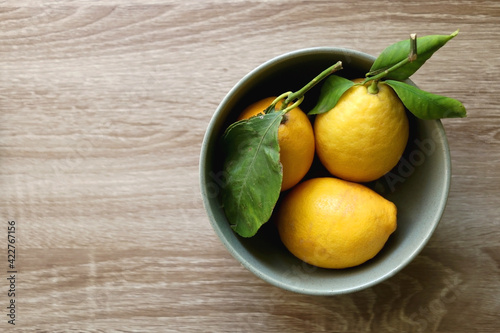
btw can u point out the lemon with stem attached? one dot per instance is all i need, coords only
(295, 139)
(364, 135)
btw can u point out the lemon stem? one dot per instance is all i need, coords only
(373, 88)
(298, 96)
(413, 48)
(280, 97)
(288, 108)
(294, 105)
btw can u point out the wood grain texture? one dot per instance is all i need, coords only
(103, 108)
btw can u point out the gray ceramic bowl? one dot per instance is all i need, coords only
(418, 185)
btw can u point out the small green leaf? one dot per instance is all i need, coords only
(425, 105)
(395, 53)
(254, 172)
(333, 88)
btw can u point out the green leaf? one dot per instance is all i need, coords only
(333, 88)
(253, 170)
(395, 53)
(425, 105)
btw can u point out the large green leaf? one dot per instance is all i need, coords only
(395, 53)
(333, 88)
(253, 170)
(425, 105)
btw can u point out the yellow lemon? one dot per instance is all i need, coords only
(295, 138)
(333, 223)
(364, 135)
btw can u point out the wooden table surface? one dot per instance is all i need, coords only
(103, 108)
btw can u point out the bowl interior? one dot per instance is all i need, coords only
(418, 185)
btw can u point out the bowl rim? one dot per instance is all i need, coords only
(249, 265)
